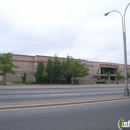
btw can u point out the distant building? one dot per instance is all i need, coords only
(28, 64)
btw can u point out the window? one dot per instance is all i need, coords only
(104, 70)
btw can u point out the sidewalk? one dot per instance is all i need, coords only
(35, 86)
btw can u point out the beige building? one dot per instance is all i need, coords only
(28, 64)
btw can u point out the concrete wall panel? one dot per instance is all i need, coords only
(17, 77)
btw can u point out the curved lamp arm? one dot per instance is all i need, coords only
(124, 16)
(120, 15)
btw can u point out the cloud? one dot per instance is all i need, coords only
(72, 27)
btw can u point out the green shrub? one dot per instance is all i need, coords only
(98, 77)
(21, 82)
(100, 82)
(24, 77)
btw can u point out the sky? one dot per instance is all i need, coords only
(77, 28)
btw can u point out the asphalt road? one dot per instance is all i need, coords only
(92, 116)
(52, 95)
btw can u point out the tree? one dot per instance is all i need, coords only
(107, 75)
(6, 65)
(79, 69)
(24, 77)
(39, 72)
(44, 75)
(67, 66)
(118, 75)
(73, 68)
(49, 70)
(56, 68)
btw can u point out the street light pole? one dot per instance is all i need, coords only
(92, 70)
(126, 90)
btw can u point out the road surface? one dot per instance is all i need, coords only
(53, 95)
(92, 116)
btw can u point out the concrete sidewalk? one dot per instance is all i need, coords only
(35, 86)
(51, 104)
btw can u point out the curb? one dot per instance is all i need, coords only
(31, 105)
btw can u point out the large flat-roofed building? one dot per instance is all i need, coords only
(28, 64)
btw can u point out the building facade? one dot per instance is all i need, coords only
(28, 64)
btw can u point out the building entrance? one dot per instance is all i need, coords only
(105, 70)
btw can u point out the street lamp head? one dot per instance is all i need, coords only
(106, 14)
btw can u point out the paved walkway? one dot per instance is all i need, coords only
(35, 86)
